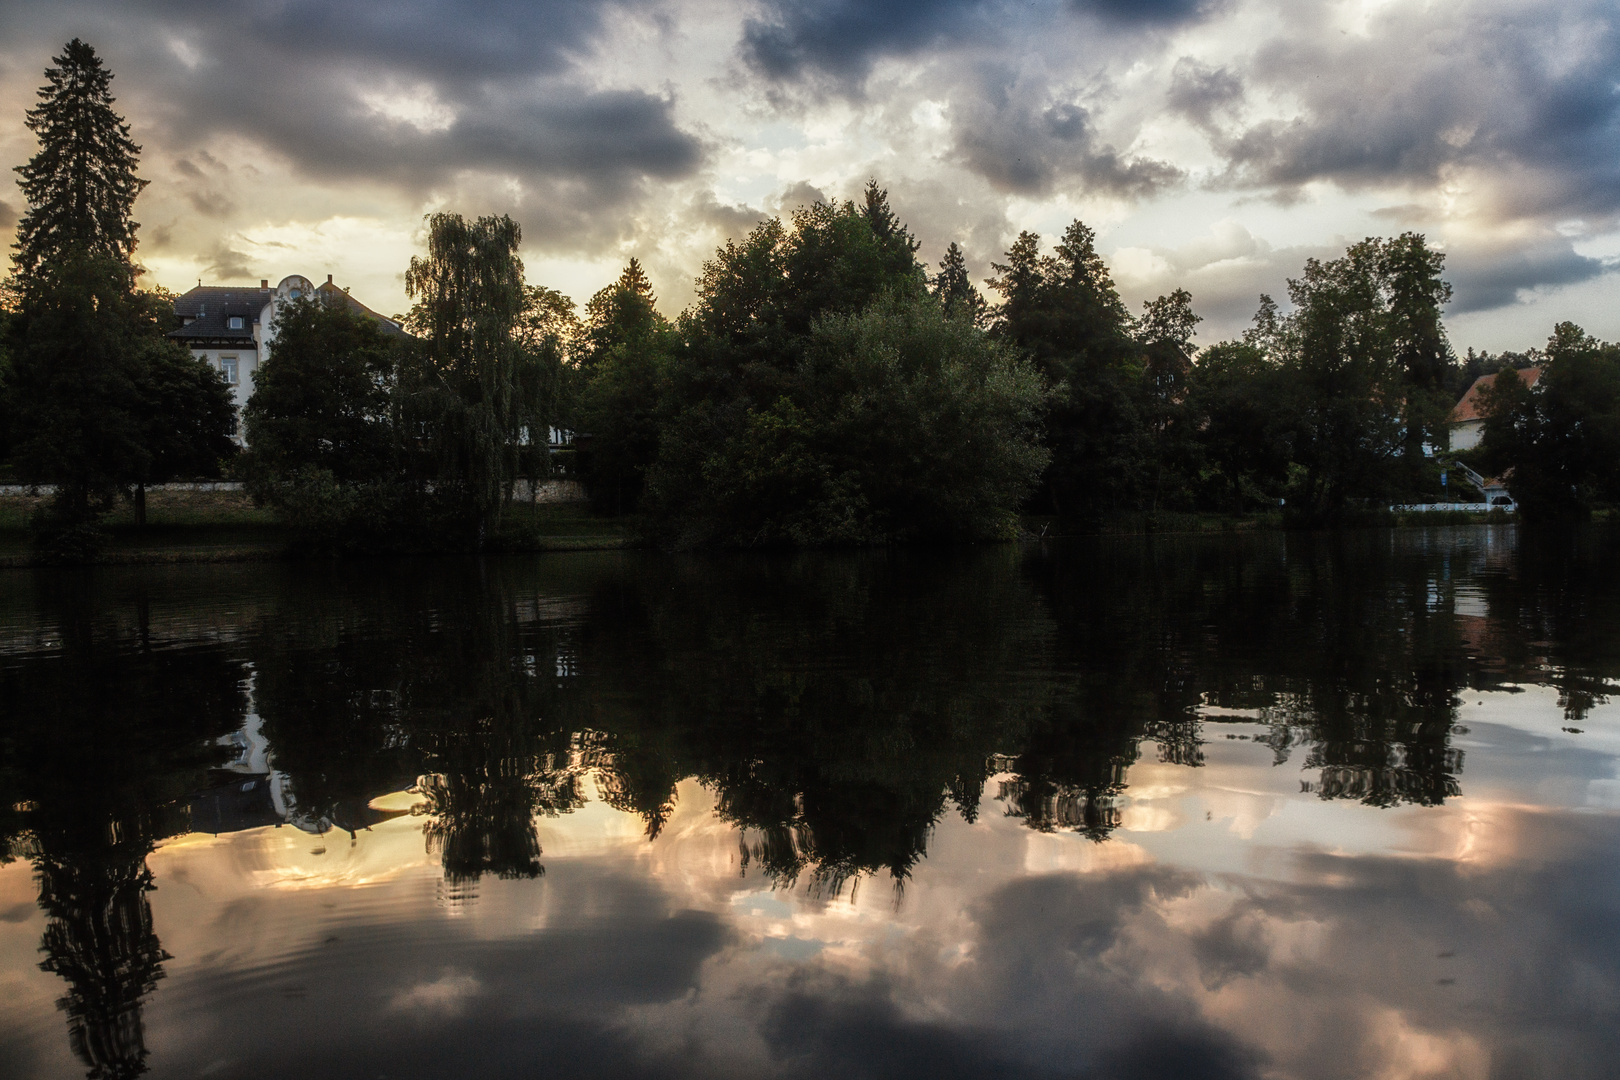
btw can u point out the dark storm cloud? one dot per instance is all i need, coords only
(841, 40)
(1144, 11)
(1019, 140)
(226, 263)
(1526, 95)
(415, 95)
(1490, 278)
(844, 38)
(1200, 93)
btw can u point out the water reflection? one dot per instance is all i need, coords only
(104, 736)
(838, 712)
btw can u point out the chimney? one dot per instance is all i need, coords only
(264, 283)
(329, 279)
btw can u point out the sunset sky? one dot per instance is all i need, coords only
(1213, 145)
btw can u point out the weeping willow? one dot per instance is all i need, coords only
(477, 400)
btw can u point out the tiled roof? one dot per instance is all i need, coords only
(387, 325)
(207, 310)
(1468, 408)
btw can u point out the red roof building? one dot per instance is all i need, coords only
(1467, 422)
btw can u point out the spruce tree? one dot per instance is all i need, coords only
(954, 289)
(96, 401)
(81, 186)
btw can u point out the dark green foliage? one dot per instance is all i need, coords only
(96, 400)
(81, 185)
(954, 289)
(623, 312)
(76, 371)
(364, 442)
(1164, 333)
(825, 399)
(321, 399)
(1337, 356)
(1415, 294)
(627, 349)
(325, 450)
(1561, 439)
(1364, 365)
(757, 299)
(187, 415)
(482, 387)
(1062, 310)
(1236, 399)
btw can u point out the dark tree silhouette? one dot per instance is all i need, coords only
(81, 185)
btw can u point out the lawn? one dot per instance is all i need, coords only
(217, 526)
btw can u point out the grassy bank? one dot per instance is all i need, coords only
(1164, 521)
(1140, 524)
(223, 526)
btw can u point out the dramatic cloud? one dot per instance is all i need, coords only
(657, 128)
(1497, 275)
(1021, 139)
(1201, 93)
(419, 98)
(844, 38)
(1522, 98)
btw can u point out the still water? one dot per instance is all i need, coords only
(1268, 806)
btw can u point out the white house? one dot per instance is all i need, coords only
(234, 328)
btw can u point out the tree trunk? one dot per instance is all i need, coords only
(140, 505)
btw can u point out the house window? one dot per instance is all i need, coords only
(235, 322)
(227, 368)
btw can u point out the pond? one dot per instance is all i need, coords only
(1243, 806)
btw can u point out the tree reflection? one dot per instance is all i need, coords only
(836, 707)
(100, 939)
(460, 696)
(105, 736)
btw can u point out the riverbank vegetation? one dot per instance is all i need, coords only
(825, 387)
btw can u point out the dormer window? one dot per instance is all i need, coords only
(234, 322)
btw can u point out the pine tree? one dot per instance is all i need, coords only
(97, 402)
(895, 241)
(620, 312)
(885, 225)
(954, 289)
(81, 186)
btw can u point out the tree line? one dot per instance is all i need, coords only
(824, 387)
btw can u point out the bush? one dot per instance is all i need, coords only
(901, 425)
(325, 516)
(66, 541)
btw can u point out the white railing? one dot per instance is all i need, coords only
(178, 485)
(1441, 508)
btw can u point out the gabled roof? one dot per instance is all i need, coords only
(207, 309)
(384, 323)
(1468, 408)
